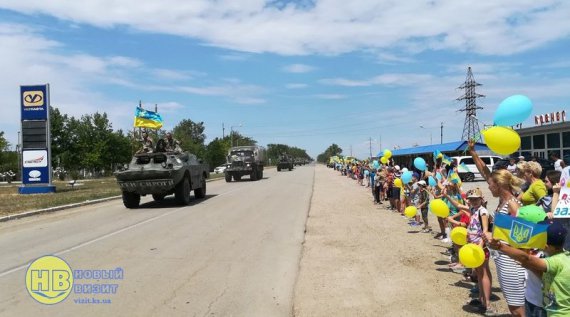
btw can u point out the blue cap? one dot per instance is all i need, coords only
(556, 235)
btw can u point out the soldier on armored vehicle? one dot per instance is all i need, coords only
(168, 170)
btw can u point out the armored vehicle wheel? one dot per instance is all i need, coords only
(260, 175)
(253, 175)
(278, 169)
(131, 200)
(201, 192)
(182, 192)
(290, 168)
(157, 197)
(228, 177)
(237, 177)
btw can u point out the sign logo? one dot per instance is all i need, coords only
(49, 280)
(520, 232)
(35, 175)
(34, 98)
(36, 158)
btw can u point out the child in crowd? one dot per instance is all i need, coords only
(423, 205)
(553, 270)
(478, 223)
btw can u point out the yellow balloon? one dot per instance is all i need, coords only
(471, 256)
(440, 155)
(459, 235)
(439, 208)
(398, 183)
(384, 160)
(502, 140)
(387, 153)
(410, 211)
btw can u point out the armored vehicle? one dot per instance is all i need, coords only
(285, 162)
(245, 160)
(162, 174)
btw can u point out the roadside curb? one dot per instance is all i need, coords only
(57, 208)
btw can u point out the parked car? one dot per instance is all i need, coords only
(547, 165)
(220, 169)
(469, 176)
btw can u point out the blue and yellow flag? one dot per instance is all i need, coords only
(519, 233)
(147, 119)
(463, 168)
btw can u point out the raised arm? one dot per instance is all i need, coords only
(454, 202)
(483, 169)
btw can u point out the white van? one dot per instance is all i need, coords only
(473, 173)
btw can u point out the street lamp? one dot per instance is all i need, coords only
(430, 134)
(232, 133)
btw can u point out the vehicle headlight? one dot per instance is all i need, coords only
(248, 165)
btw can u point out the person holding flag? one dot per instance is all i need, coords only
(553, 270)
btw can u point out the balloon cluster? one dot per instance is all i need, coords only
(501, 138)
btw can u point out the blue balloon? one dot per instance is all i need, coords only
(407, 177)
(438, 176)
(513, 111)
(431, 181)
(420, 164)
(375, 164)
(366, 172)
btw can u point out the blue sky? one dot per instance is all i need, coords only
(303, 73)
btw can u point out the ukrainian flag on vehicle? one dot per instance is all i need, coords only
(147, 119)
(519, 233)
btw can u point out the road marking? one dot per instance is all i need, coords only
(81, 245)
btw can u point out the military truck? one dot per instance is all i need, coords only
(245, 160)
(285, 162)
(161, 174)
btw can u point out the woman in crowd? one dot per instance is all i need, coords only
(512, 276)
(531, 172)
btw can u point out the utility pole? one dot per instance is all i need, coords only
(223, 131)
(351, 150)
(441, 141)
(371, 147)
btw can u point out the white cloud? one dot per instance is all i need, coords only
(298, 68)
(296, 86)
(384, 80)
(28, 57)
(329, 26)
(171, 74)
(331, 96)
(234, 57)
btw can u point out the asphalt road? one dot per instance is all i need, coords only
(235, 253)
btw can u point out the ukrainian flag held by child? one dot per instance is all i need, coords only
(147, 119)
(519, 233)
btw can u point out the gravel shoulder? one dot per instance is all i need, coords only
(363, 260)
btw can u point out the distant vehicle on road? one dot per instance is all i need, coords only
(285, 162)
(245, 160)
(220, 169)
(161, 174)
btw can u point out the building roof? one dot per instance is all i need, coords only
(445, 147)
(547, 127)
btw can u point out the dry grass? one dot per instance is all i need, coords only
(11, 202)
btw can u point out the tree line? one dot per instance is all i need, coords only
(91, 145)
(329, 152)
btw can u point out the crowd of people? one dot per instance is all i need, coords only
(534, 282)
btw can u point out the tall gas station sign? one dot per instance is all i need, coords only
(36, 153)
